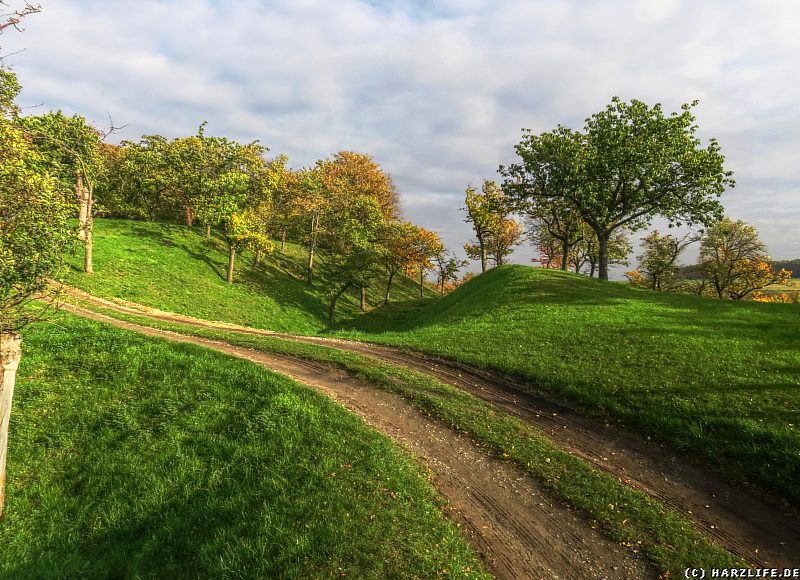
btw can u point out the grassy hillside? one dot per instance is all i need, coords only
(718, 379)
(175, 268)
(134, 457)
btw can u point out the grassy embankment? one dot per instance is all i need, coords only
(175, 268)
(717, 380)
(134, 457)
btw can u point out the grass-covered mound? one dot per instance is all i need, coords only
(134, 457)
(175, 268)
(718, 379)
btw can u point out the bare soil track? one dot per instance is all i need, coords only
(762, 530)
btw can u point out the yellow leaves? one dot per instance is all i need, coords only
(637, 278)
(781, 298)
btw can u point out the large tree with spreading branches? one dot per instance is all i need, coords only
(630, 163)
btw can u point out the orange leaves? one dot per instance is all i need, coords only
(349, 175)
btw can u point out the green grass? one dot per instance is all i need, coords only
(175, 268)
(629, 516)
(718, 380)
(134, 457)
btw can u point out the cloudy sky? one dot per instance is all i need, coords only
(436, 91)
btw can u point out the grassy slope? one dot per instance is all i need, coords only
(629, 516)
(133, 457)
(175, 268)
(718, 379)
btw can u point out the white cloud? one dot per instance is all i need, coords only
(436, 91)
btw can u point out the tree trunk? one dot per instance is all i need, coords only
(720, 289)
(208, 231)
(189, 216)
(258, 257)
(564, 255)
(363, 298)
(88, 264)
(421, 282)
(603, 242)
(388, 288)
(283, 241)
(10, 353)
(311, 243)
(334, 300)
(82, 194)
(231, 262)
(483, 254)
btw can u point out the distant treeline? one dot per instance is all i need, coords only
(694, 272)
(792, 265)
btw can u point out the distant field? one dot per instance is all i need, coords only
(133, 457)
(789, 292)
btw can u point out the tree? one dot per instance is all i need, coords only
(144, 180)
(349, 176)
(587, 251)
(309, 206)
(631, 163)
(550, 222)
(488, 211)
(735, 262)
(351, 247)
(398, 251)
(355, 175)
(447, 266)
(547, 247)
(72, 153)
(284, 183)
(35, 231)
(427, 245)
(234, 180)
(658, 264)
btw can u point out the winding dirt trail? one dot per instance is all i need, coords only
(506, 515)
(761, 530)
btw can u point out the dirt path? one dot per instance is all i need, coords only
(761, 530)
(505, 513)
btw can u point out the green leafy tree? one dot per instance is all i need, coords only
(658, 264)
(143, 179)
(630, 163)
(71, 150)
(351, 245)
(284, 184)
(587, 251)
(235, 181)
(309, 207)
(348, 176)
(35, 231)
(488, 211)
(426, 246)
(734, 260)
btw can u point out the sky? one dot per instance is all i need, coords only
(437, 92)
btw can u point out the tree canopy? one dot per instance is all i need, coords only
(630, 163)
